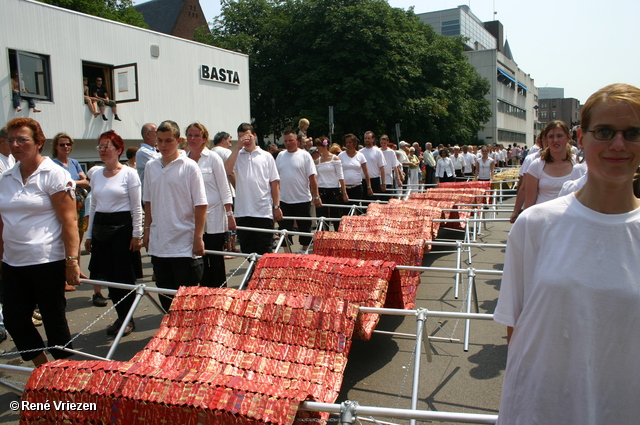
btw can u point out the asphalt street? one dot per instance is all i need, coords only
(379, 371)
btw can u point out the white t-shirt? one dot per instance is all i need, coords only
(352, 168)
(216, 187)
(375, 160)
(294, 170)
(469, 160)
(225, 153)
(6, 162)
(115, 194)
(330, 173)
(527, 162)
(458, 163)
(571, 291)
(549, 187)
(174, 191)
(484, 168)
(32, 233)
(391, 161)
(575, 185)
(254, 173)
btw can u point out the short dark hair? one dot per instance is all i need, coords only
(171, 126)
(220, 136)
(289, 131)
(245, 126)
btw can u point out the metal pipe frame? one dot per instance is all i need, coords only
(423, 415)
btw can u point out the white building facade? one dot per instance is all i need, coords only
(513, 95)
(152, 76)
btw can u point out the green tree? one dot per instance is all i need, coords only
(376, 65)
(115, 10)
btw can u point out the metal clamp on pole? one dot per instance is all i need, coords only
(247, 275)
(348, 411)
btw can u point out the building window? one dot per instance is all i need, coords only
(450, 27)
(507, 108)
(553, 115)
(35, 74)
(543, 115)
(553, 103)
(544, 105)
(511, 137)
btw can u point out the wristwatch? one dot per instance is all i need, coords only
(229, 213)
(276, 207)
(316, 197)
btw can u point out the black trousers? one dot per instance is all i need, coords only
(111, 259)
(173, 272)
(302, 209)
(214, 274)
(28, 286)
(375, 187)
(331, 195)
(257, 242)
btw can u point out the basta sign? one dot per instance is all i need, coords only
(219, 75)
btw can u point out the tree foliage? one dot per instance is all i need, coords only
(375, 64)
(115, 10)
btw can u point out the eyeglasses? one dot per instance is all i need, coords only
(19, 141)
(103, 147)
(606, 133)
(98, 80)
(65, 144)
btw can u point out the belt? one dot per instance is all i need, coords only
(351, 187)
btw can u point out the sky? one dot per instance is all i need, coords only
(578, 45)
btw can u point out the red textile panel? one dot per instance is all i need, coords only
(403, 285)
(220, 356)
(361, 282)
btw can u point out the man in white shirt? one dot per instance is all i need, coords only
(392, 168)
(257, 191)
(175, 206)
(430, 164)
(147, 150)
(401, 153)
(375, 165)
(6, 159)
(298, 186)
(469, 161)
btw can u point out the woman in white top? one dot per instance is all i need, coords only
(484, 165)
(546, 175)
(115, 226)
(444, 167)
(354, 167)
(330, 181)
(39, 238)
(220, 217)
(573, 331)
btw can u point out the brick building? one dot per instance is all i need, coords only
(179, 18)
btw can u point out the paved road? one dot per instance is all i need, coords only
(379, 372)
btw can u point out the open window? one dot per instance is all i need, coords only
(121, 81)
(32, 72)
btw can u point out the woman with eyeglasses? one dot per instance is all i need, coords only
(60, 151)
(115, 226)
(573, 332)
(546, 175)
(39, 243)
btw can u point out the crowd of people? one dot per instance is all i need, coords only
(570, 329)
